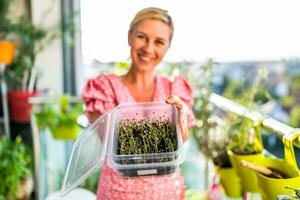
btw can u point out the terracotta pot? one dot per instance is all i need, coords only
(19, 107)
(6, 52)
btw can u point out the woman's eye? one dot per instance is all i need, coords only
(140, 36)
(159, 42)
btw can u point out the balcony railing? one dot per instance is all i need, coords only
(274, 125)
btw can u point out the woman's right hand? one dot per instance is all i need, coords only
(92, 116)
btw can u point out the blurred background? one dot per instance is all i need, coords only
(220, 46)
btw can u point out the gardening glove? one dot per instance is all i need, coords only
(182, 114)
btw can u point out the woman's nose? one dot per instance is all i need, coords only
(149, 47)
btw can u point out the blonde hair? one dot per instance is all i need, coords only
(152, 13)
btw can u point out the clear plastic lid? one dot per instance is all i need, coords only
(88, 153)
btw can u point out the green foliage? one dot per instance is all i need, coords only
(243, 135)
(234, 89)
(146, 137)
(29, 39)
(295, 116)
(246, 94)
(52, 116)
(211, 138)
(203, 109)
(246, 141)
(29, 42)
(5, 25)
(15, 165)
(295, 82)
(290, 197)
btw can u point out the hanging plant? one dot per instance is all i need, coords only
(245, 130)
(60, 119)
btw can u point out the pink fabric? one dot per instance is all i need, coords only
(102, 94)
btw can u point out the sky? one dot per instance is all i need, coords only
(226, 30)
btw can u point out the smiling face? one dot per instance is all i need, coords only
(149, 42)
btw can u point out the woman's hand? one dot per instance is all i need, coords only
(183, 114)
(92, 116)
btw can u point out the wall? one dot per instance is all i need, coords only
(49, 62)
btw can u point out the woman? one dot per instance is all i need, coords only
(149, 38)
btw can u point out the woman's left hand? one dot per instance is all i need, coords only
(182, 114)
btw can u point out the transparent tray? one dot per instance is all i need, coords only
(153, 163)
(101, 140)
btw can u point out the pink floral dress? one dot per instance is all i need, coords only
(105, 92)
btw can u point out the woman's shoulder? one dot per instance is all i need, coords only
(100, 84)
(174, 81)
(103, 77)
(178, 86)
(99, 94)
(104, 81)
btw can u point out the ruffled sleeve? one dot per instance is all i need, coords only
(183, 89)
(98, 96)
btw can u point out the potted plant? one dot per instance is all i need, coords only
(203, 111)
(248, 148)
(7, 48)
(21, 75)
(15, 170)
(60, 119)
(270, 186)
(221, 137)
(248, 143)
(212, 137)
(10, 31)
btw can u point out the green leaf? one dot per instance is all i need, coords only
(15, 165)
(297, 190)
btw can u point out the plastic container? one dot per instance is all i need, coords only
(101, 141)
